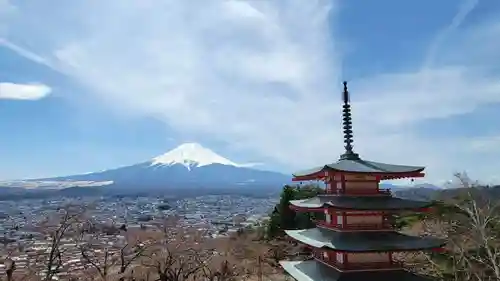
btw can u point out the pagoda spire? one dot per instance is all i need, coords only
(347, 126)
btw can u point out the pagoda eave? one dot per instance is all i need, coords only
(362, 242)
(321, 175)
(313, 270)
(381, 210)
(316, 176)
(306, 209)
(435, 250)
(366, 212)
(353, 203)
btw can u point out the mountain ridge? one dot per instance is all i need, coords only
(188, 164)
(189, 168)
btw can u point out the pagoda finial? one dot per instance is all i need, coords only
(347, 125)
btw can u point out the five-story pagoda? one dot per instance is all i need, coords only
(357, 239)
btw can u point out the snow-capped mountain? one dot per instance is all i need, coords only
(193, 155)
(189, 165)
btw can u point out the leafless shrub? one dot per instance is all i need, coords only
(174, 264)
(110, 261)
(223, 272)
(471, 226)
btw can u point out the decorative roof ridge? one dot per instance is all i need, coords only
(369, 164)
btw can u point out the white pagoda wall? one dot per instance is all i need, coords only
(353, 182)
(372, 219)
(368, 257)
(337, 218)
(360, 178)
(333, 218)
(356, 185)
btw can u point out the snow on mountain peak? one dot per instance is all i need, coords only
(191, 154)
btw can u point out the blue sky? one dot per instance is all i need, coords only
(100, 84)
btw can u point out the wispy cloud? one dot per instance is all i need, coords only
(23, 91)
(260, 75)
(26, 53)
(464, 10)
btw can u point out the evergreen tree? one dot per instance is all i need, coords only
(287, 215)
(273, 227)
(283, 217)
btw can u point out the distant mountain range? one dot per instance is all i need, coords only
(189, 166)
(414, 186)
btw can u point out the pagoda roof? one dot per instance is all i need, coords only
(363, 241)
(312, 270)
(357, 165)
(360, 203)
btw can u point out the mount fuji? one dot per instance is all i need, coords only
(188, 166)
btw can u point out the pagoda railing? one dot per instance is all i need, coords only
(357, 265)
(364, 191)
(385, 191)
(386, 225)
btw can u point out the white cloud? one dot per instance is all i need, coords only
(262, 75)
(23, 91)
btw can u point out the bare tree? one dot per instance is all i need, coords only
(471, 224)
(224, 272)
(10, 248)
(101, 264)
(128, 255)
(275, 255)
(54, 260)
(108, 260)
(174, 264)
(7, 261)
(480, 248)
(178, 253)
(57, 228)
(9, 269)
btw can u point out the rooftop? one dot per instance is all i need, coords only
(362, 166)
